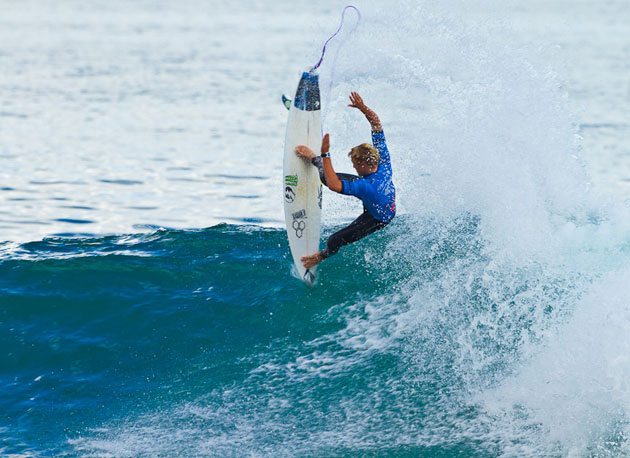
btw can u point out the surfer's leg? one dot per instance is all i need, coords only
(363, 226)
(317, 162)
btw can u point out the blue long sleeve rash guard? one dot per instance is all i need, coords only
(376, 190)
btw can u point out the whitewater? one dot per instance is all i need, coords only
(147, 306)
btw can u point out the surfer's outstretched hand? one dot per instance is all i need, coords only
(305, 152)
(312, 260)
(357, 102)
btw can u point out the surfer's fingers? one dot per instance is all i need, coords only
(357, 101)
(304, 151)
(326, 143)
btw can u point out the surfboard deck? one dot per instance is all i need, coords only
(302, 189)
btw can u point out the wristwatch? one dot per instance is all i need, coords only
(326, 154)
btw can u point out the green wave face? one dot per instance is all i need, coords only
(202, 343)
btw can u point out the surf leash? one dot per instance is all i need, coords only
(334, 62)
(343, 13)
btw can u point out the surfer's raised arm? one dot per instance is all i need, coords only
(332, 180)
(357, 102)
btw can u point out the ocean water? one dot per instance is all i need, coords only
(147, 302)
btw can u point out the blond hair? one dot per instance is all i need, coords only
(365, 154)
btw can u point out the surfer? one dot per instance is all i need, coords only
(373, 185)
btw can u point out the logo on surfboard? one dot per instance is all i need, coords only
(298, 223)
(289, 194)
(291, 180)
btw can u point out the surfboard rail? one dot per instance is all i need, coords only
(302, 188)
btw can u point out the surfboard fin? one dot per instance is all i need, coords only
(309, 277)
(286, 102)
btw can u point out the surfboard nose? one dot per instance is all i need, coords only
(307, 94)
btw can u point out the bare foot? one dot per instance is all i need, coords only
(304, 152)
(312, 260)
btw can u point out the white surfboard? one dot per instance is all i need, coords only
(302, 188)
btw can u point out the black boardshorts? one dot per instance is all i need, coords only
(363, 226)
